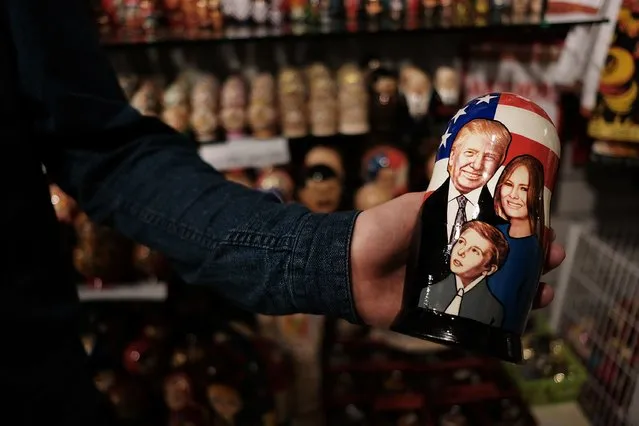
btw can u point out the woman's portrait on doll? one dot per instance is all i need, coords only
(519, 199)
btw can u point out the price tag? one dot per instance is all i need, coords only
(246, 153)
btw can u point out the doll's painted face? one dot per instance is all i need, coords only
(470, 256)
(322, 189)
(224, 400)
(514, 193)
(177, 392)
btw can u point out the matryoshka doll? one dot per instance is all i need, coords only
(204, 105)
(232, 108)
(447, 85)
(292, 103)
(383, 111)
(176, 111)
(321, 189)
(180, 400)
(388, 167)
(353, 101)
(147, 99)
(322, 105)
(325, 155)
(225, 402)
(262, 114)
(489, 201)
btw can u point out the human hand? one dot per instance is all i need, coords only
(379, 250)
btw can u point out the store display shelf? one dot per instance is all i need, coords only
(488, 26)
(135, 292)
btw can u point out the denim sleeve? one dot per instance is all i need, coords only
(141, 177)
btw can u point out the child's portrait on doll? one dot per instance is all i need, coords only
(478, 253)
(519, 199)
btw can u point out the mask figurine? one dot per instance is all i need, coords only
(322, 190)
(482, 233)
(178, 396)
(226, 403)
(325, 155)
(276, 180)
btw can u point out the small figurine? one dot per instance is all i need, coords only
(396, 9)
(388, 167)
(232, 105)
(454, 417)
(371, 195)
(417, 90)
(447, 85)
(277, 180)
(322, 189)
(204, 124)
(65, 207)
(323, 118)
(262, 116)
(353, 101)
(374, 8)
(176, 106)
(215, 15)
(226, 403)
(147, 99)
(327, 156)
(260, 11)
(352, 9)
(383, 104)
(178, 396)
(292, 102)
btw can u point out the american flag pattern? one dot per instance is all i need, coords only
(533, 133)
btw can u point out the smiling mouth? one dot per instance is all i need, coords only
(471, 175)
(514, 205)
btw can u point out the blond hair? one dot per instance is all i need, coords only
(492, 130)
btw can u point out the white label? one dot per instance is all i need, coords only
(246, 153)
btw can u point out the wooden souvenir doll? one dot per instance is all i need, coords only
(232, 108)
(216, 15)
(102, 255)
(176, 111)
(447, 85)
(374, 8)
(260, 11)
(353, 101)
(179, 399)
(173, 13)
(322, 189)
(292, 103)
(352, 8)
(225, 401)
(327, 156)
(383, 111)
(387, 167)
(417, 91)
(396, 8)
(204, 106)
(147, 99)
(323, 107)
(65, 207)
(262, 115)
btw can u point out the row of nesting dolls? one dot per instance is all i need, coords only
(385, 171)
(148, 15)
(225, 379)
(296, 103)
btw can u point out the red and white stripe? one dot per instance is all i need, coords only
(532, 133)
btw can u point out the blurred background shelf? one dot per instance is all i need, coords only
(498, 26)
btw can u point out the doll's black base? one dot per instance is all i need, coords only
(461, 332)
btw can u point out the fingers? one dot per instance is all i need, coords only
(556, 255)
(545, 295)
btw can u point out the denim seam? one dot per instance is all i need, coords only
(354, 315)
(291, 275)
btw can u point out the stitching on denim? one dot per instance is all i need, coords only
(292, 279)
(349, 289)
(151, 217)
